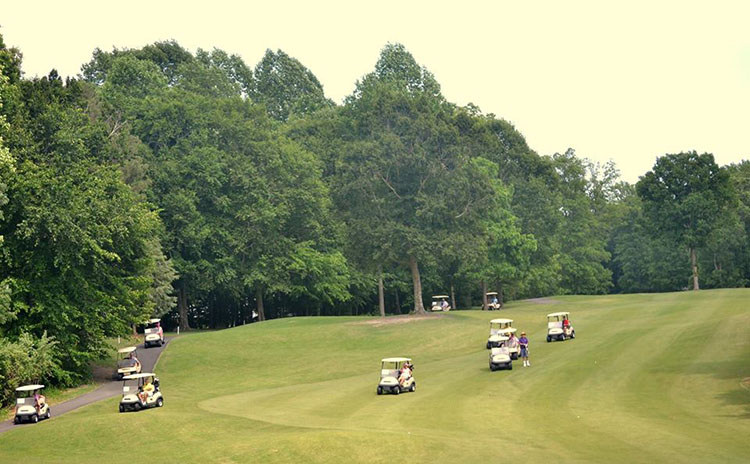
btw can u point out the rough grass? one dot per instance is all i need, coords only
(650, 378)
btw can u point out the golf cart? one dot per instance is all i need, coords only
(440, 303)
(127, 362)
(493, 303)
(496, 325)
(135, 392)
(154, 334)
(500, 356)
(514, 347)
(390, 371)
(31, 405)
(558, 327)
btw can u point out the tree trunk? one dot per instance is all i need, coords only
(183, 307)
(259, 303)
(135, 331)
(417, 281)
(694, 263)
(500, 296)
(484, 295)
(453, 296)
(381, 293)
(398, 303)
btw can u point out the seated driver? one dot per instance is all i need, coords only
(444, 304)
(405, 374)
(39, 401)
(147, 390)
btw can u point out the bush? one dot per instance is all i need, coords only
(28, 360)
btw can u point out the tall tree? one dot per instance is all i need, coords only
(684, 195)
(404, 181)
(286, 87)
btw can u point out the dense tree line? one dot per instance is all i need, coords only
(191, 186)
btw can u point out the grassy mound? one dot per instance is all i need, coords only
(649, 378)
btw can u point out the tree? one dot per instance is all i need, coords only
(286, 87)
(684, 195)
(404, 186)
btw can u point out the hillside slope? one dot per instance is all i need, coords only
(651, 378)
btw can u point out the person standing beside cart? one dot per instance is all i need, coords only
(524, 342)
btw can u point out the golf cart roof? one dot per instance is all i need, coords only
(491, 293)
(142, 375)
(501, 321)
(127, 349)
(27, 388)
(153, 321)
(395, 360)
(562, 313)
(440, 296)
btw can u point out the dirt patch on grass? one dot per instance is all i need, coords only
(542, 301)
(745, 383)
(401, 319)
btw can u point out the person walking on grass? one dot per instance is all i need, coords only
(524, 342)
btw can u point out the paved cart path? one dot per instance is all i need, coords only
(147, 357)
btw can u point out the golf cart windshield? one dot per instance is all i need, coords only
(127, 362)
(27, 400)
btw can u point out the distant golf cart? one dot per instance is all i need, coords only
(390, 371)
(31, 405)
(127, 362)
(440, 303)
(559, 327)
(496, 325)
(154, 334)
(500, 356)
(140, 391)
(514, 347)
(493, 304)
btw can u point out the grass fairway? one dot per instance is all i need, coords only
(649, 378)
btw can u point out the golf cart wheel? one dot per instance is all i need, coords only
(122, 408)
(397, 390)
(137, 406)
(35, 418)
(413, 387)
(562, 337)
(49, 413)
(492, 367)
(380, 390)
(510, 366)
(573, 335)
(514, 356)
(549, 339)
(16, 420)
(159, 402)
(488, 345)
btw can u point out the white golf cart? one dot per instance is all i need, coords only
(392, 380)
(154, 334)
(127, 362)
(493, 304)
(496, 325)
(31, 405)
(559, 327)
(440, 303)
(500, 356)
(140, 391)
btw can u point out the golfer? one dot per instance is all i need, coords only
(524, 349)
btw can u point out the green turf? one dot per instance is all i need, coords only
(650, 378)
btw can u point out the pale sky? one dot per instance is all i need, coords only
(628, 82)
